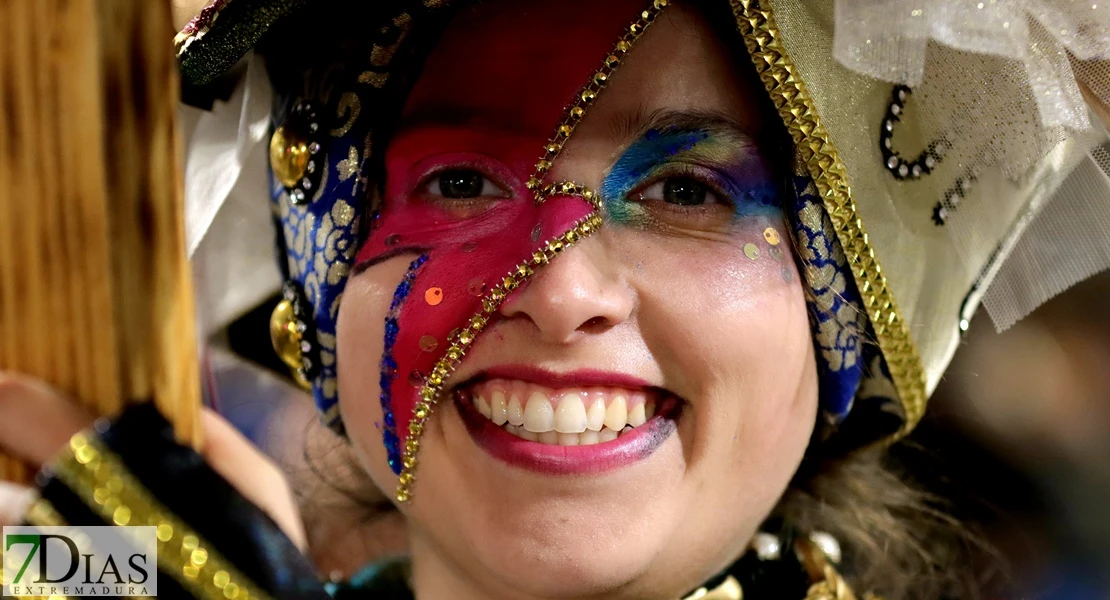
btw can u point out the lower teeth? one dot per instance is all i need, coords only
(586, 438)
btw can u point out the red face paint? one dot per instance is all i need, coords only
(489, 98)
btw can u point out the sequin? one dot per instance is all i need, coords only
(751, 251)
(428, 343)
(416, 378)
(536, 232)
(771, 235)
(776, 253)
(393, 239)
(433, 296)
(476, 287)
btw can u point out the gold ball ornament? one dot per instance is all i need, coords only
(286, 338)
(288, 156)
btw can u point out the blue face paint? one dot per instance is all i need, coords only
(725, 163)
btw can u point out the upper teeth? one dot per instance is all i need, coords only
(567, 417)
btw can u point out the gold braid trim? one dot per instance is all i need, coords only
(430, 392)
(799, 113)
(103, 483)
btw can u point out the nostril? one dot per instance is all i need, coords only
(595, 323)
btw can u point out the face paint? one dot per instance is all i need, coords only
(482, 110)
(726, 163)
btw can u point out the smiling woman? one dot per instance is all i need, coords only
(592, 290)
(626, 385)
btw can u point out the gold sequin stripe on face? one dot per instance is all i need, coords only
(104, 484)
(432, 388)
(577, 111)
(799, 114)
(429, 393)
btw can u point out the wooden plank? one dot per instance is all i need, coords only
(95, 289)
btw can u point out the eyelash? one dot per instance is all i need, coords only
(703, 175)
(426, 181)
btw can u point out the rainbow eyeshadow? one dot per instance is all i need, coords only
(728, 161)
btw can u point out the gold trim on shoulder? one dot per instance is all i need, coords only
(111, 491)
(799, 113)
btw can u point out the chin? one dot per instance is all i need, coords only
(538, 521)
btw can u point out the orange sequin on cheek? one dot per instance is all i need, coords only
(433, 296)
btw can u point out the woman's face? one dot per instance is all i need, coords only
(682, 316)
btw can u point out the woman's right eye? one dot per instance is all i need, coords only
(461, 184)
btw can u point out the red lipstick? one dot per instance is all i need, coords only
(633, 445)
(551, 379)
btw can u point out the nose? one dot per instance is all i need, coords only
(578, 293)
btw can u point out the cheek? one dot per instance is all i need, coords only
(360, 339)
(730, 330)
(724, 313)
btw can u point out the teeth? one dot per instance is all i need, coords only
(617, 414)
(595, 416)
(568, 439)
(538, 414)
(636, 416)
(586, 438)
(570, 416)
(516, 410)
(497, 408)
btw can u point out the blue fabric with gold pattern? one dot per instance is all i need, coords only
(846, 357)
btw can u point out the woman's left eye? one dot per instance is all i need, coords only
(461, 184)
(682, 191)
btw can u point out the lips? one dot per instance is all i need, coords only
(571, 423)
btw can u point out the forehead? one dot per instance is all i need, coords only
(515, 65)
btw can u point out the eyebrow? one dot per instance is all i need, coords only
(718, 123)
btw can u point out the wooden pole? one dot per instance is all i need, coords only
(96, 294)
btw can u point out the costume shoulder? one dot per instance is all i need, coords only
(211, 541)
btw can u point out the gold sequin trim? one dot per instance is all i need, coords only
(799, 114)
(104, 484)
(43, 514)
(577, 110)
(433, 386)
